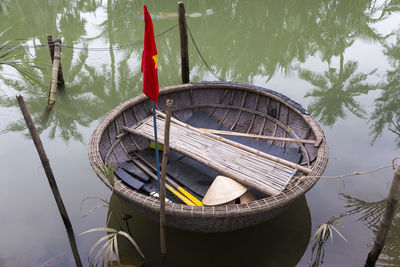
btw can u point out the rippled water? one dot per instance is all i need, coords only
(339, 59)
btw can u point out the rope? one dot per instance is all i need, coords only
(393, 165)
(201, 56)
(95, 48)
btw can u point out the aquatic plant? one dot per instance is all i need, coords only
(10, 57)
(109, 247)
(110, 240)
(106, 170)
(321, 236)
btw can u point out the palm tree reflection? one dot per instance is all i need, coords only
(260, 39)
(335, 90)
(370, 214)
(387, 106)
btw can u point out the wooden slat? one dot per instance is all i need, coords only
(253, 170)
(258, 136)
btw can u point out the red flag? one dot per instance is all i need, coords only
(149, 59)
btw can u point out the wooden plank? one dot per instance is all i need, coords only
(252, 170)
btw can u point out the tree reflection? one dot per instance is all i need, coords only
(335, 90)
(370, 214)
(387, 106)
(259, 39)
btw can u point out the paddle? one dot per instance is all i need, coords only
(183, 191)
(172, 190)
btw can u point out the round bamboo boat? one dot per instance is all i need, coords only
(241, 108)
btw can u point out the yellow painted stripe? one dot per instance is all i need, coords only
(179, 195)
(191, 197)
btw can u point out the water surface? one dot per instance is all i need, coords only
(339, 59)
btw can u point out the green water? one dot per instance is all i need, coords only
(339, 59)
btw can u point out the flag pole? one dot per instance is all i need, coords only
(156, 144)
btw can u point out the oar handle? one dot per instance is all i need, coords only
(190, 196)
(180, 196)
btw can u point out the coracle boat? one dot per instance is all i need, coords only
(297, 143)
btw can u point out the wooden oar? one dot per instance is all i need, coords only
(180, 188)
(213, 131)
(171, 189)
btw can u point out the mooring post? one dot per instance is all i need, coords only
(54, 73)
(163, 174)
(184, 42)
(50, 177)
(51, 44)
(60, 75)
(390, 209)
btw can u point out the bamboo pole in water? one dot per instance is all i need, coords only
(184, 42)
(50, 178)
(390, 208)
(50, 43)
(54, 73)
(163, 174)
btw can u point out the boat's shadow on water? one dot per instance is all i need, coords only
(280, 241)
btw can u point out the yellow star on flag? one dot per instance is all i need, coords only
(155, 58)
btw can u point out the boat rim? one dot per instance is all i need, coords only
(232, 210)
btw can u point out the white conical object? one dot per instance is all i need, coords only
(223, 190)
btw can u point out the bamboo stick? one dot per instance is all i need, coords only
(390, 210)
(60, 76)
(50, 177)
(304, 141)
(184, 43)
(54, 74)
(50, 43)
(163, 173)
(246, 148)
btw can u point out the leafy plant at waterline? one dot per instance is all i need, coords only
(322, 235)
(110, 246)
(9, 57)
(110, 240)
(106, 170)
(106, 205)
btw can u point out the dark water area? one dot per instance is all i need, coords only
(339, 59)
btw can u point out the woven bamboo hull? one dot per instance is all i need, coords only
(242, 108)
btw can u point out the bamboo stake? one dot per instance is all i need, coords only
(60, 76)
(184, 43)
(304, 141)
(50, 177)
(246, 148)
(390, 208)
(163, 173)
(54, 73)
(50, 43)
